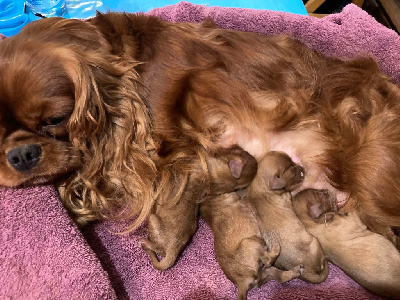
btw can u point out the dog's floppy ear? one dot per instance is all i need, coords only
(110, 125)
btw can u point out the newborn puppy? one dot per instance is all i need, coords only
(269, 197)
(239, 247)
(367, 257)
(171, 226)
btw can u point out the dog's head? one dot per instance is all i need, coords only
(70, 115)
(37, 98)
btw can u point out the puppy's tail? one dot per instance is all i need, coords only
(167, 262)
(163, 264)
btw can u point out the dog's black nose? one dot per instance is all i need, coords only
(25, 157)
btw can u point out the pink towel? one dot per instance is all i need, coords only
(43, 255)
(196, 275)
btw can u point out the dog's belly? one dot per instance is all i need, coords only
(304, 146)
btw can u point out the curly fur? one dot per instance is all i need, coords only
(109, 126)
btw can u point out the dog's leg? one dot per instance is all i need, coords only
(255, 246)
(170, 254)
(151, 249)
(252, 252)
(156, 244)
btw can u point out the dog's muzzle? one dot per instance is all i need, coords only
(24, 158)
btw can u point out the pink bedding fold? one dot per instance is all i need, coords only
(347, 34)
(44, 256)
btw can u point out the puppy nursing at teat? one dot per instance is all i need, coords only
(243, 254)
(365, 256)
(172, 224)
(270, 199)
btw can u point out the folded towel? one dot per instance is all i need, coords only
(43, 255)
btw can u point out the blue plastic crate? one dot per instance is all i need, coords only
(13, 18)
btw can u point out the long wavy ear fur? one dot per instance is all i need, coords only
(110, 125)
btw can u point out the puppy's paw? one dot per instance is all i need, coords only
(268, 257)
(242, 193)
(301, 269)
(275, 249)
(158, 256)
(145, 244)
(295, 272)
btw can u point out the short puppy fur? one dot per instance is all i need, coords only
(171, 225)
(244, 256)
(365, 256)
(270, 199)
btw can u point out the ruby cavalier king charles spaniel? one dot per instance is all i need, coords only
(116, 110)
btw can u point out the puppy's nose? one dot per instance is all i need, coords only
(25, 157)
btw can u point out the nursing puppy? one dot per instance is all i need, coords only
(270, 199)
(365, 256)
(173, 223)
(243, 255)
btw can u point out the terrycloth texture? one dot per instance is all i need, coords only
(196, 275)
(43, 255)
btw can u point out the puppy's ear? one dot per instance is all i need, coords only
(236, 168)
(277, 183)
(315, 210)
(325, 218)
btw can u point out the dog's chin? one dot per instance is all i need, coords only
(33, 179)
(46, 179)
(53, 168)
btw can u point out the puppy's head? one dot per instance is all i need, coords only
(279, 172)
(310, 205)
(70, 115)
(231, 169)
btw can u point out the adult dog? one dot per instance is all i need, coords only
(115, 109)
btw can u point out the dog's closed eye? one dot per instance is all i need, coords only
(54, 121)
(54, 126)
